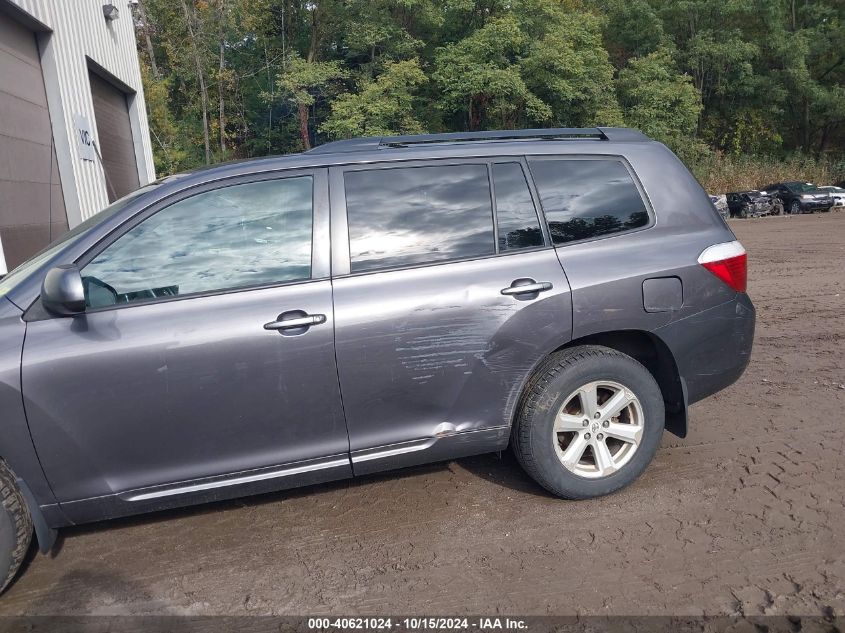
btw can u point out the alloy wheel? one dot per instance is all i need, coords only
(598, 429)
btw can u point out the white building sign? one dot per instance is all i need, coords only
(84, 137)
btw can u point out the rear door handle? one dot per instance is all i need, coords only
(307, 320)
(526, 286)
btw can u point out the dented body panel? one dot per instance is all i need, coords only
(441, 344)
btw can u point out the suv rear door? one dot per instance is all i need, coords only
(433, 339)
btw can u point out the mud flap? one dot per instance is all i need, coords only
(676, 414)
(44, 533)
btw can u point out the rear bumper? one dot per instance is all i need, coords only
(712, 348)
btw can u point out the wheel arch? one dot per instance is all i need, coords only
(650, 351)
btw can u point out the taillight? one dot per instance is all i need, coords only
(729, 262)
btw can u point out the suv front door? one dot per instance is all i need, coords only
(434, 337)
(181, 380)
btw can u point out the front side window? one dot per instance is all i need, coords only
(414, 215)
(238, 236)
(587, 198)
(518, 224)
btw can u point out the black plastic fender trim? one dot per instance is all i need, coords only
(44, 533)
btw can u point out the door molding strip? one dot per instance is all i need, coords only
(145, 494)
(391, 450)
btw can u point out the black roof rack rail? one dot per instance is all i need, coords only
(347, 145)
(615, 134)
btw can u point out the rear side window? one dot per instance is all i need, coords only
(518, 224)
(415, 215)
(586, 198)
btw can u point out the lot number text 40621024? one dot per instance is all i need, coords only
(418, 624)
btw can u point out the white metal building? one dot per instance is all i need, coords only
(73, 125)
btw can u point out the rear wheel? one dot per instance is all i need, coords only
(15, 527)
(794, 208)
(590, 422)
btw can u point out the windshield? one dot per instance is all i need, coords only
(10, 281)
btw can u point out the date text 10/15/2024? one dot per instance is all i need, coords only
(417, 624)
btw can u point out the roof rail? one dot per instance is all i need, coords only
(347, 145)
(615, 134)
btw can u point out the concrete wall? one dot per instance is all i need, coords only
(77, 36)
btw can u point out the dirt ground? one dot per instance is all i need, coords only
(744, 516)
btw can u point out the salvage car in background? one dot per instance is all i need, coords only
(750, 204)
(800, 197)
(837, 193)
(721, 204)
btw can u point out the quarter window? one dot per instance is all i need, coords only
(587, 198)
(237, 236)
(516, 216)
(414, 215)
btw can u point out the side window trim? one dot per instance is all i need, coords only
(320, 246)
(535, 196)
(535, 199)
(529, 158)
(494, 208)
(341, 264)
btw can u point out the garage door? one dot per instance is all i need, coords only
(114, 136)
(32, 209)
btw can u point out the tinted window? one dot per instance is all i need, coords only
(519, 226)
(587, 198)
(414, 215)
(243, 235)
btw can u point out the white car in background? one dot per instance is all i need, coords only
(838, 195)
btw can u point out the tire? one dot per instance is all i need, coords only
(541, 450)
(743, 213)
(794, 207)
(15, 527)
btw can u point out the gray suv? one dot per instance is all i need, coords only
(367, 305)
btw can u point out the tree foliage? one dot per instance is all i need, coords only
(659, 100)
(384, 106)
(238, 78)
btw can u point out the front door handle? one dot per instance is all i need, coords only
(526, 286)
(305, 320)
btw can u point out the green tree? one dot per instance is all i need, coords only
(240, 78)
(302, 82)
(567, 66)
(659, 100)
(382, 107)
(480, 78)
(632, 28)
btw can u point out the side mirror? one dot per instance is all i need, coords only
(62, 291)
